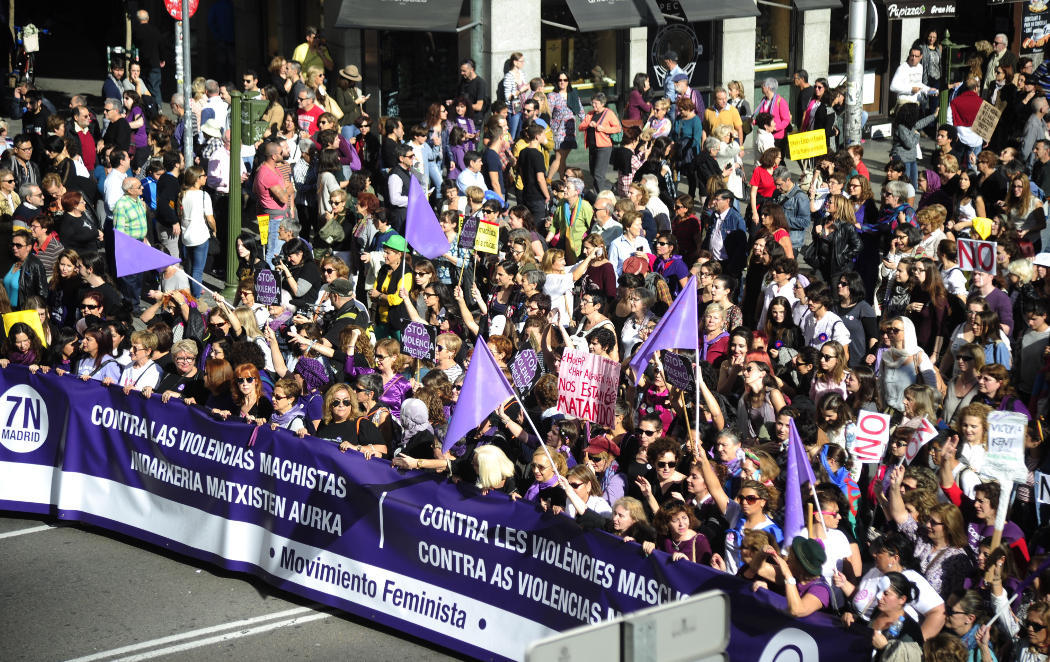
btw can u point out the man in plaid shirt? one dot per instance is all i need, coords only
(129, 217)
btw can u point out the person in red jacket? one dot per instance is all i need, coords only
(964, 112)
(598, 127)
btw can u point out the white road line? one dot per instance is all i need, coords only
(218, 639)
(104, 655)
(22, 532)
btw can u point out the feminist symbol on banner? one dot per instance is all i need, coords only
(678, 371)
(266, 291)
(525, 369)
(419, 340)
(468, 232)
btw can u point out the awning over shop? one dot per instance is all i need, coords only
(427, 15)
(716, 10)
(594, 15)
(806, 5)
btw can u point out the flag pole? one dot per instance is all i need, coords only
(543, 444)
(696, 414)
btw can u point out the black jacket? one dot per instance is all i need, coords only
(33, 280)
(118, 133)
(834, 253)
(79, 233)
(167, 198)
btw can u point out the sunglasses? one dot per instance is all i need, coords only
(90, 306)
(891, 331)
(575, 486)
(665, 465)
(279, 397)
(329, 270)
(662, 243)
(247, 380)
(1035, 627)
(594, 458)
(644, 432)
(828, 357)
(749, 499)
(900, 444)
(457, 387)
(828, 513)
(341, 402)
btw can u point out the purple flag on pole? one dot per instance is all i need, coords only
(422, 230)
(678, 329)
(134, 257)
(484, 389)
(799, 471)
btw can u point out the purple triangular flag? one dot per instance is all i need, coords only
(134, 257)
(678, 329)
(484, 390)
(422, 229)
(799, 472)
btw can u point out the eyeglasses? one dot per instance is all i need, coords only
(965, 359)
(358, 389)
(9, 181)
(594, 458)
(662, 243)
(1035, 627)
(457, 387)
(18, 245)
(843, 284)
(429, 294)
(891, 331)
(827, 357)
(184, 358)
(563, 80)
(899, 444)
(420, 274)
(575, 486)
(280, 397)
(90, 305)
(248, 380)
(302, 99)
(380, 357)
(329, 270)
(749, 499)
(934, 523)
(338, 402)
(138, 349)
(645, 432)
(665, 465)
(827, 513)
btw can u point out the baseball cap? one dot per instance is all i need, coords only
(341, 287)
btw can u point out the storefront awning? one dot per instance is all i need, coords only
(428, 15)
(716, 10)
(806, 5)
(594, 15)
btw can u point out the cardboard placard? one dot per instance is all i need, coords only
(923, 434)
(1042, 487)
(525, 370)
(468, 232)
(419, 340)
(873, 435)
(985, 121)
(977, 255)
(266, 291)
(587, 386)
(487, 240)
(1005, 457)
(264, 228)
(807, 144)
(678, 371)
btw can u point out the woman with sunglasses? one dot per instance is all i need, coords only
(831, 371)
(941, 549)
(964, 333)
(668, 263)
(566, 113)
(142, 371)
(289, 412)
(660, 485)
(747, 511)
(761, 399)
(583, 494)
(856, 313)
(246, 396)
(966, 616)
(900, 362)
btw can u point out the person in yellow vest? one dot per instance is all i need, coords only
(572, 218)
(393, 278)
(313, 52)
(722, 112)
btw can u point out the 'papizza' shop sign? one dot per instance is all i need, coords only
(897, 11)
(481, 575)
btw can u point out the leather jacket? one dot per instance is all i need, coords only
(32, 281)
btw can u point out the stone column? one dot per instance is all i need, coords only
(815, 46)
(737, 59)
(909, 33)
(509, 26)
(637, 54)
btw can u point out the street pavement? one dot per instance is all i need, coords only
(78, 593)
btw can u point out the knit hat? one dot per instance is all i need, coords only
(315, 377)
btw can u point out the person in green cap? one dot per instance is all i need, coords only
(392, 278)
(805, 590)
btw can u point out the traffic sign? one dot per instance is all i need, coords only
(174, 8)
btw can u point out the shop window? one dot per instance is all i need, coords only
(773, 30)
(875, 50)
(592, 59)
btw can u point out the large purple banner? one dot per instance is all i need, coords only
(482, 575)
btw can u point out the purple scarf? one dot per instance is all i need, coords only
(22, 358)
(534, 491)
(284, 420)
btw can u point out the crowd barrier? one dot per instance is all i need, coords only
(481, 575)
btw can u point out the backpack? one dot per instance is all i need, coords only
(636, 265)
(657, 286)
(150, 108)
(332, 232)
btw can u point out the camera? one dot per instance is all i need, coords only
(277, 260)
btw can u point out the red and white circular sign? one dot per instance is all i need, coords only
(174, 8)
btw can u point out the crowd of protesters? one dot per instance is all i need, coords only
(818, 299)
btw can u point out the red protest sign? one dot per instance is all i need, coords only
(922, 436)
(587, 387)
(873, 435)
(174, 8)
(977, 255)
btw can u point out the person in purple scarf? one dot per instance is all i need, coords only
(23, 346)
(544, 490)
(288, 412)
(312, 378)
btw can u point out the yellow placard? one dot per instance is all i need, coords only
(807, 144)
(264, 228)
(487, 240)
(30, 317)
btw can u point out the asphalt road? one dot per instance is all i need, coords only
(77, 593)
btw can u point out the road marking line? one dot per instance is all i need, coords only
(218, 639)
(22, 532)
(191, 634)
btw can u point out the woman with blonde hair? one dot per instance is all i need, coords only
(920, 401)
(1025, 210)
(546, 476)
(243, 320)
(197, 98)
(658, 124)
(495, 471)
(962, 388)
(836, 242)
(390, 363)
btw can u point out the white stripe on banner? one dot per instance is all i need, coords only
(486, 626)
(289, 615)
(30, 483)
